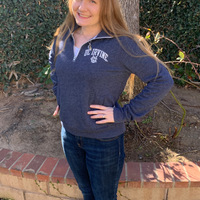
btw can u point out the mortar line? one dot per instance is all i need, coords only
(141, 176)
(39, 168)
(28, 164)
(53, 170)
(65, 177)
(170, 171)
(189, 182)
(15, 162)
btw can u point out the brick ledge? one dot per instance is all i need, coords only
(134, 174)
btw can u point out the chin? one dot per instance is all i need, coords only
(82, 24)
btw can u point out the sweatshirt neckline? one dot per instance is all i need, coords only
(101, 35)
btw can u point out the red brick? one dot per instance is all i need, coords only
(193, 173)
(198, 163)
(122, 180)
(164, 177)
(9, 160)
(4, 153)
(179, 175)
(60, 171)
(148, 175)
(18, 167)
(32, 168)
(133, 174)
(46, 169)
(70, 178)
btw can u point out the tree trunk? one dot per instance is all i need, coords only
(130, 10)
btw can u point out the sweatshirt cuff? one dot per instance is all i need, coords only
(118, 115)
(58, 101)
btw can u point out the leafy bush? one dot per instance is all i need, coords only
(179, 21)
(28, 28)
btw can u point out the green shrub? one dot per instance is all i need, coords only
(28, 28)
(179, 21)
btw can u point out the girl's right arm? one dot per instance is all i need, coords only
(54, 77)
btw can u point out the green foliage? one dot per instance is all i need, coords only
(44, 75)
(28, 28)
(179, 21)
(147, 120)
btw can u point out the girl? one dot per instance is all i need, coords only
(92, 56)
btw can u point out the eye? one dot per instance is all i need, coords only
(94, 2)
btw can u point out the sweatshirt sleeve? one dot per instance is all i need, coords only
(157, 78)
(53, 72)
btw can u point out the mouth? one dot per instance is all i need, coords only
(83, 16)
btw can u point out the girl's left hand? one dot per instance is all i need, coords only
(102, 112)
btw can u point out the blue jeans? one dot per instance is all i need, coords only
(96, 164)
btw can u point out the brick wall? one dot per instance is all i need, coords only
(25, 176)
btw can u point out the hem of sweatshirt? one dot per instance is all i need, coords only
(107, 133)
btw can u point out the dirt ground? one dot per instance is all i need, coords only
(27, 125)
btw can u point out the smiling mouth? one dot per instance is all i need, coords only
(83, 16)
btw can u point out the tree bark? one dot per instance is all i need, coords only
(130, 11)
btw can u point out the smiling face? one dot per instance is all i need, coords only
(86, 13)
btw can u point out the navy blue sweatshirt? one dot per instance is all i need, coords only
(98, 75)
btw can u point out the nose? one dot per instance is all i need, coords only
(82, 5)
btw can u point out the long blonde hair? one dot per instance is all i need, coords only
(113, 23)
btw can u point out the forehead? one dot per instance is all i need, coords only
(93, 3)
